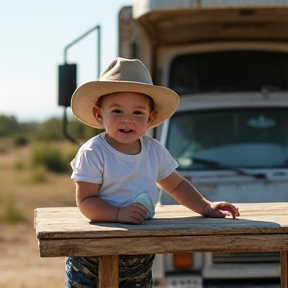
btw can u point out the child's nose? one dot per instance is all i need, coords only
(127, 120)
(127, 117)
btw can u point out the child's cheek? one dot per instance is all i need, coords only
(141, 120)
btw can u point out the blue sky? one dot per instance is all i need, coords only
(33, 35)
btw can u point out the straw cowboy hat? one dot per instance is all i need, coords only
(123, 75)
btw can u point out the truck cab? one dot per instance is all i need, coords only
(228, 61)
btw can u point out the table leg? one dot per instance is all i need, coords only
(284, 269)
(108, 271)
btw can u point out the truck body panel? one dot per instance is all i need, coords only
(228, 61)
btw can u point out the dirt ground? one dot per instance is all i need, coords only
(21, 266)
(20, 263)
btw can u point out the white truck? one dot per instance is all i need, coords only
(228, 61)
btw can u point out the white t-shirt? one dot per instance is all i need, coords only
(123, 177)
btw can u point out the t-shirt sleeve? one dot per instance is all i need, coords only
(167, 164)
(87, 166)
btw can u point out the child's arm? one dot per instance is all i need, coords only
(96, 209)
(186, 194)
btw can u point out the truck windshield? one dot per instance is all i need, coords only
(227, 71)
(247, 138)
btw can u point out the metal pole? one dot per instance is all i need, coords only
(99, 52)
(65, 122)
(98, 28)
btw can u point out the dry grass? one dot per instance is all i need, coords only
(20, 194)
(18, 184)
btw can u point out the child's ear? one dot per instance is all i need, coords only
(152, 117)
(98, 114)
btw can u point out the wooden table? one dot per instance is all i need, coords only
(65, 232)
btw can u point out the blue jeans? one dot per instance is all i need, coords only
(134, 271)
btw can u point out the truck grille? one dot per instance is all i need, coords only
(232, 258)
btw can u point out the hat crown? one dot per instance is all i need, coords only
(132, 70)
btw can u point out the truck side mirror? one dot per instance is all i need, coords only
(67, 75)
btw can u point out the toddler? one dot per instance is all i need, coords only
(116, 173)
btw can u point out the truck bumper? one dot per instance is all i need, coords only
(185, 281)
(247, 284)
(242, 271)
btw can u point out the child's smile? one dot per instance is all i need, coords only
(125, 130)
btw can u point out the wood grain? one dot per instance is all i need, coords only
(174, 220)
(108, 271)
(64, 231)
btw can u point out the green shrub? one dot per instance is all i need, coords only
(50, 130)
(9, 212)
(70, 154)
(19, 165)
(3, 150)
(79, 130)
(39, 175)
(50, 157)
(8, 125)
(20, 141)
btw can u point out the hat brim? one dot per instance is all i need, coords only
(85, 98)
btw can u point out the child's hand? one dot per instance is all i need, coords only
(221, 209)
(133, 214)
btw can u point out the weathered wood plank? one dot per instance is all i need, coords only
(56, 223)
(150, 245)
(65, 232)
(108, 271)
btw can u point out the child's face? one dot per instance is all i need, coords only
(126, 116)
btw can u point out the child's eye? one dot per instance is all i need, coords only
(138, 113)
(116, 111)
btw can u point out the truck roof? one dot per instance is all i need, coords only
(175, 22)
(142, 7)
